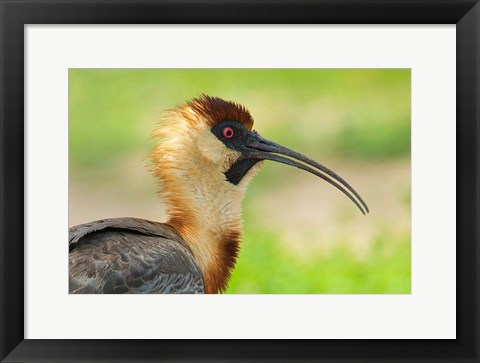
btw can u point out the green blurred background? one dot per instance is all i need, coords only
(301, 235)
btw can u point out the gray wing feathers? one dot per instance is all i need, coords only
(127, 255)
(132, 224)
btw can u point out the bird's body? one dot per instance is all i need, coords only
(130, 255)
(207, 155)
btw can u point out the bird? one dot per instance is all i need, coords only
(206, 155)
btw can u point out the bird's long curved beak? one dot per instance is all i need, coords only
(259, 148)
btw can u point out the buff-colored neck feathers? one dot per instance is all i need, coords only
(189, 163)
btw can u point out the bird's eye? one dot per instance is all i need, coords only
(228, 132)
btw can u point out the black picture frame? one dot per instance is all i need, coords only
(17, 13)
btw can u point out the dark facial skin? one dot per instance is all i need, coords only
(237, 141)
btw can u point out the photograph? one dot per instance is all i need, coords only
(239, 181)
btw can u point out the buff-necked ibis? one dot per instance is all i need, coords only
(206, 155)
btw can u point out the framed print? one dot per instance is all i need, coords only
(396, 108)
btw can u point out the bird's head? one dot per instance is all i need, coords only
(211, 140)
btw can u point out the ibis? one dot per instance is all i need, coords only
(207, 153)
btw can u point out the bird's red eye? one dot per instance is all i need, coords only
(228, 132)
